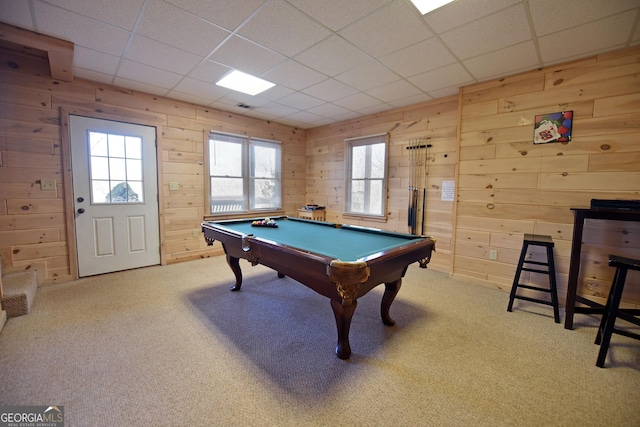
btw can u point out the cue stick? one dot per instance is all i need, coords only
(410, 176)
(424, 189)
(416, 176)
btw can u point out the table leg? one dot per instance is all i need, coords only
(390, 291)
(343, 312)
(574, 270)
(234, 263)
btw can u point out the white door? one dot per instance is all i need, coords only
(115, 192)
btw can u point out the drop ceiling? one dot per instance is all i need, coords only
(331, 60)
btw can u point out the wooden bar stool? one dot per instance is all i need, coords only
(611, 311)
(550, 270)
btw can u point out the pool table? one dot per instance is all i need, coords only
(341, 262)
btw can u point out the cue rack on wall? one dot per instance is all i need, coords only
(418, 171)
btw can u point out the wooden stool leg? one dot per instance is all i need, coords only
(609, 317)
(605, 314)
(552, 284)
(516, 279)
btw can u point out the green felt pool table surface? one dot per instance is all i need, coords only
(346, 243)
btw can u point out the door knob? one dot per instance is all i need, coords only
(80, 199)
(81, 210)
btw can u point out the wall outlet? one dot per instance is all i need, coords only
(48, 184)
(174, 186)
(493, 254)
(195, 232)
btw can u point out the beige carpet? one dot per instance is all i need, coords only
(167, 346)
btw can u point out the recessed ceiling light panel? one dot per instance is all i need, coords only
(245, 83)
(426, 6)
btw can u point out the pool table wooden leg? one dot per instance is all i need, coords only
(343, 314)
(390, 291)
(234, 263)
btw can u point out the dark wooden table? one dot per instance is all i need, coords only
(580, 215)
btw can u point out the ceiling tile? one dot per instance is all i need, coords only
(234, 98)
(329, 90)
(209, 71)
(388, 29)
(451, 75)
(367, 76)
(328, 110)
(93, 60)
(358, 102)
(411, 100)
(305, 116)
(275, 93)
(294, 75)
(168, 24)
(198, 100)
(337, 14)
(140, 86)
(95, 76)
(505, 28)
(549, 16)
(395, 91)
(130, 70)
(120, 13)
(447, 91)
(83, 31)
(424, 56)
(275, 109)
(17, 13)
(333, 55)
(462, 12)
(301, 101)
(202, 89)
(246, 56)
(515, 58)
(227, 14)
(283, 28)
(591, 38)
(151, 52)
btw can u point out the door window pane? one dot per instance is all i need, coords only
(115, 168)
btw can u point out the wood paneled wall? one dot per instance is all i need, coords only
(33, 233)
(436, 123)
(507, 186)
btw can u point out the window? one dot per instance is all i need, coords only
(366, 186)
(116, 168)
(244, 174)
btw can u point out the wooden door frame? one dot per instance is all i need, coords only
(67, 176)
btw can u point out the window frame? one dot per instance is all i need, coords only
(247, 175)
(350, 144)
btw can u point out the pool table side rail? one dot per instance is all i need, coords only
(312, 269)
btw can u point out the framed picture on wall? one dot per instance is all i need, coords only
(553, 127)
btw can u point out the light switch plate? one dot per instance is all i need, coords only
(174, 186)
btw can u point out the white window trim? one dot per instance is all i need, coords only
(247, 178)
(357, 141)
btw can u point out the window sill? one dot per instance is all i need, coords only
(222, 217)
(365, 217)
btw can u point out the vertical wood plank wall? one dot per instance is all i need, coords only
(32, 221)
(507, 186)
